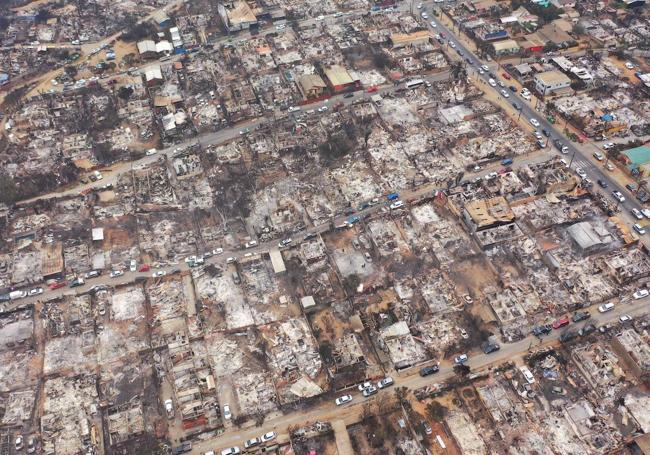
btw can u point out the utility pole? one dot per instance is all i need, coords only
(572, 156)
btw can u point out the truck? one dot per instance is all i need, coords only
(15, 295)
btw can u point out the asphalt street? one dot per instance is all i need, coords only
(328, 410)
(577, 156)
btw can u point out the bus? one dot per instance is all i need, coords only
(413, 83)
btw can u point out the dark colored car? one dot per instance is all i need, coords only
(546, 133)
(506, 161)
(348, 95)
(516, 106)
(512, 88)
(586, 330)
(426, 371)
(489, 348)
(567, 336)
(580, 316)
(541, 330)
(603, 183)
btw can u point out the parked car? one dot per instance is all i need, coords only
(365, 385)
(386, 382)
(158, 274)
(581, 316)
(460, 359)
(231, 451)
(344, 399)
(541, 330)
(637, 214)
(638, 228)
(618, 196)
(641, 293)
(586, 330)
(581, 173)
(270, 436)
(426, 371)
(226, 412)
(252, 443)
(490, 347)
(602, 183)
(369, 391)
(35, 291)
(625, 318)
(568, 335)
(605, 307)
(599, 156)
(116, 273)
(561, 322)
(427, 428)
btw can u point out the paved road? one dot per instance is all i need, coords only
(327, 411)
(219, 137)
(578, 156)
(407, 196)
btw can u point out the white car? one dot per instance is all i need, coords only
(424, 16)
(485, 68)
(230, 260)
(534, 122)
(505, 94)
(452, 44)
(280, 26)
(342, 400)
(526, 96)
(226, 412)
(646, 213)
(293, 109)
(491, 176)
(364, 386)
(386, 382)
(599, 156)
(320, 18)
(618, 196)
(641, 293)
(605, 307)
(461, 359)
(396, 205)
(231, 451)
(36, 291)
(369, 391)
(217, 251)
(608, 146)
(158, 274)
(322, 108)
(419, 6)
(637, 214)
(581, 173)
(433, 24)
(252, 443)
(629, 65)
(251, 244)
(270, 436)
(116, 273)
(151, 152)
(492, 82)
(624, 318)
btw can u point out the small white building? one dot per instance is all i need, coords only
(550, 82)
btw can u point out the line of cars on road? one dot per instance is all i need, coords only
(254, 442)
(367, 389)
(544, 329)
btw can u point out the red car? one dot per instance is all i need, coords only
(561, 322)
(144, 268)
(506, 75)
(57, 285)
(372, 89)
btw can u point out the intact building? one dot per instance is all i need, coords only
(550, 82)
(339, 80)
